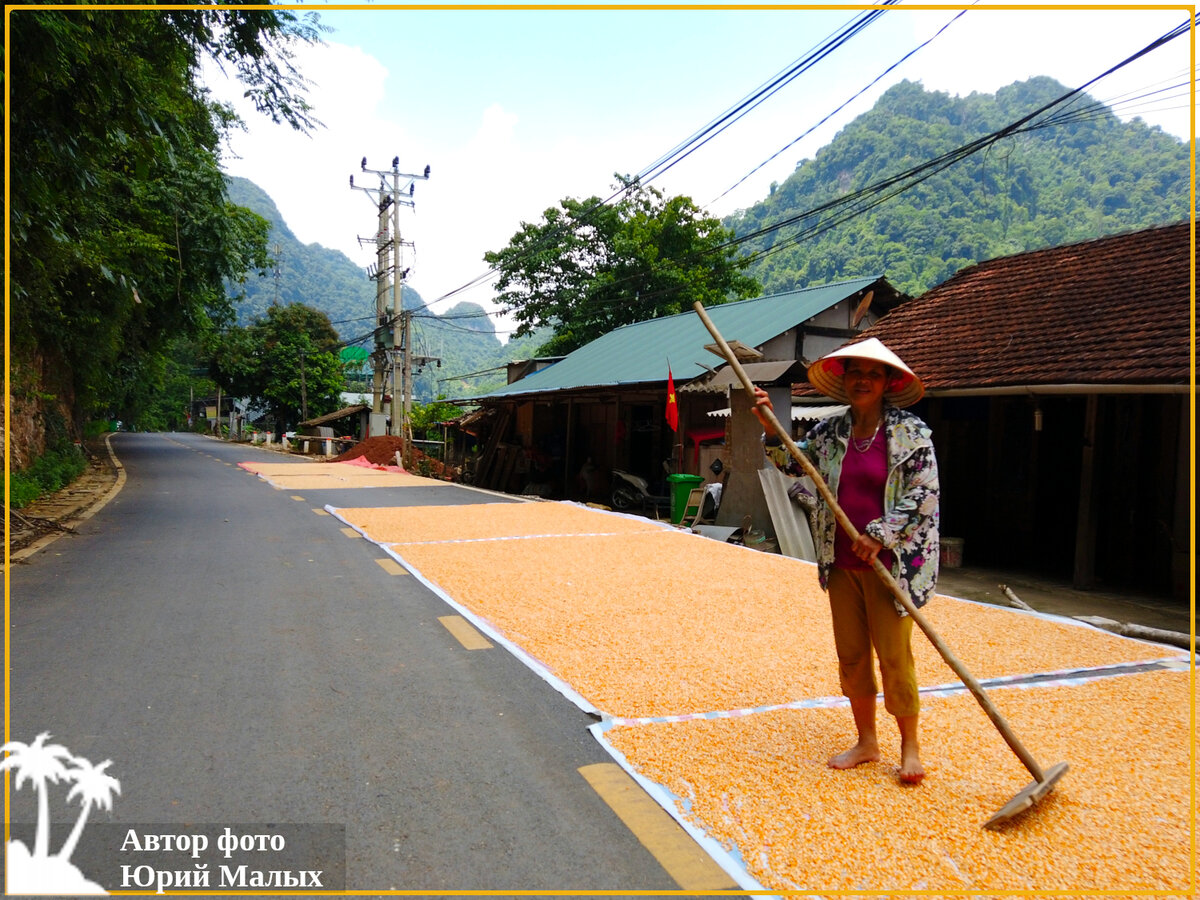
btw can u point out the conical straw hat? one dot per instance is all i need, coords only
(904, 389)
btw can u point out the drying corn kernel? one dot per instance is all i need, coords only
(1119, 820)
(323, 475)
(488, 520)
(665, 623)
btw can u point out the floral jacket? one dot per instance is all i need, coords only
(909, 525)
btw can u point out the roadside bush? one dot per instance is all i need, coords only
(22, 490)
(51, 471)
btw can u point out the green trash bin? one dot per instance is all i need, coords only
(681, 486)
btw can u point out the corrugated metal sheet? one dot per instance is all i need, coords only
(639, 353)
(800, 413)
(759, 373)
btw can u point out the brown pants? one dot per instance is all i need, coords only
(865, 616)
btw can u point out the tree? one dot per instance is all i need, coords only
(121, 236)
(426, 415)
(287, 361)
(159, 395)
(590, 267)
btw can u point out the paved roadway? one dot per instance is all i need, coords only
(242, 660)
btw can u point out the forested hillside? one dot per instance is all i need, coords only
(1089, 176)
(464, 339)
(325, 279)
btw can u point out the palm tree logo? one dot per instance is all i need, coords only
(44, 764)
(95, 788)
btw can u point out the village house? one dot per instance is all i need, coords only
(563, 428)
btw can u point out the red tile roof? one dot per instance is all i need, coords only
(1109, 311)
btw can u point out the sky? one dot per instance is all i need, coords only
(513, 110)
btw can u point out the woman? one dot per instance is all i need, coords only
(879, 463)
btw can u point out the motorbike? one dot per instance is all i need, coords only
(632, 492)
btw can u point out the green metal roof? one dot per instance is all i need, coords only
(639, 353)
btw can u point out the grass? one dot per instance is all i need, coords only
(53, 470)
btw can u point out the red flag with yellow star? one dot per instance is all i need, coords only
(672, 405)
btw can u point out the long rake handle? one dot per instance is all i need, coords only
(880, 569)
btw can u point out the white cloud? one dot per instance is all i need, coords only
(307, 175)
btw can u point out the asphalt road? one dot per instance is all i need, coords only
(242, 660)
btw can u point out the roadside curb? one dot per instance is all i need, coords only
(43, 542)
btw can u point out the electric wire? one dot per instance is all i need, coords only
(842, 209)
(834, 112)
(922, 171)
(1130, 103)
(915, 175)
(874, 195)
(832, 42)
(730, 117)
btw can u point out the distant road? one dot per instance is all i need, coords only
(240, 659)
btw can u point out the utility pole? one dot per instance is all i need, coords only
(278, 273)
(303, 391)
(389, 276)
(381, 273)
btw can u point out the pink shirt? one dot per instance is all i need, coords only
(860, 495)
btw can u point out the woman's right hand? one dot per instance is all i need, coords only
(761, 402)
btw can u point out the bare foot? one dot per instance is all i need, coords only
(911, 770)
(856, 755)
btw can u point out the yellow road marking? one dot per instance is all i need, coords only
(350, 532)
(294, 497)
(691, 867)
(321, 512)
(392, 567)
(464, 632)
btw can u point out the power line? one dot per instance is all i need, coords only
(848, 206)
(664, 162)
(919, 173)
(833, 113)
(761, 94)
(879, 192)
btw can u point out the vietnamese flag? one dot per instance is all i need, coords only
(672, 406)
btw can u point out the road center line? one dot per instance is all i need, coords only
(691, 867)
(392, 567)
(464, 632)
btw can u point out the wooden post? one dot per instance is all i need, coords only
(568, 478)
(1084, 577)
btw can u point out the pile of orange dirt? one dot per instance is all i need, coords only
(381, 450)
